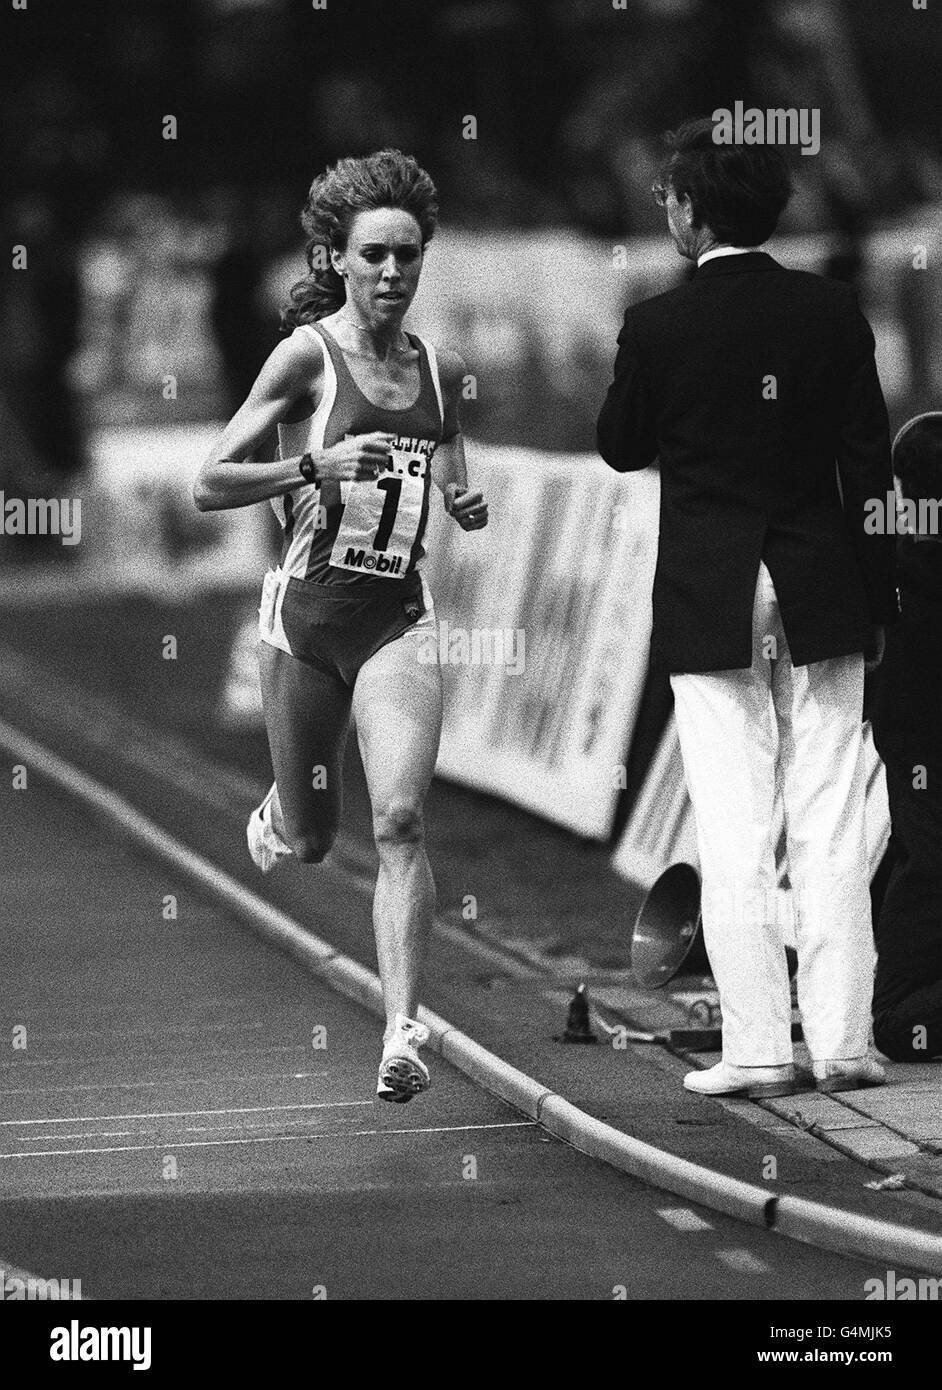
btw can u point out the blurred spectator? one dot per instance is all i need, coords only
(630, 85)
(245, 332)
(907, 727)
(38, 321)
(570, 97)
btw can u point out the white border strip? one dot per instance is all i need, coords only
(811, 1222)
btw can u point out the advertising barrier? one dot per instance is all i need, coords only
(559, 586)
(141, 529)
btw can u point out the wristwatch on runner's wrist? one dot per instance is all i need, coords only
(307, 468)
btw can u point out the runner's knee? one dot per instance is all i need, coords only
(399, 823)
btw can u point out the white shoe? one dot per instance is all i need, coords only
(265, 844)
(847, 1074)
(401, 1074)
(752, 1082)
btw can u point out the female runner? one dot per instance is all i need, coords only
(367, 419)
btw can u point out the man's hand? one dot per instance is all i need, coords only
(468, 508)
(877, 649)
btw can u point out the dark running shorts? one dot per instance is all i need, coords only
(338, 627)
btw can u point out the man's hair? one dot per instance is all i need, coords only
(917, 456)
(738, 191)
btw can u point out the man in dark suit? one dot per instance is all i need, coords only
(907, 730)
(756, 390)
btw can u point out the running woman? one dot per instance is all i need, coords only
(367, 419)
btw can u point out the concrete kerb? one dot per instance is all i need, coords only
(493, 1073)
(811, 1222)
(655, 1166)
(846, 1232)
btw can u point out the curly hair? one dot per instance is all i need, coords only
(386, 179)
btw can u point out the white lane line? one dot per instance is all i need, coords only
(273, 1139)
(175, 1031)
(90, 1059)
(183, 1114)
(682, 1219)
(743, 1261)
(178, 1081)
(82, 1134)
(153, 1132)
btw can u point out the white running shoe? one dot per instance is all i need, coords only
(401, 1074)
(265, 844)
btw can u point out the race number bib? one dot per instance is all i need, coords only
(381, 519)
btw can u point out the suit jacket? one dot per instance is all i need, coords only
(749, 466)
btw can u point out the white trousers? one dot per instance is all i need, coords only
(746, 737)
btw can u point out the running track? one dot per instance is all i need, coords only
(158, 1046)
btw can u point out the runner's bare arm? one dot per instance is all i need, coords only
(293, 372)
(449, 467)
(226, 479)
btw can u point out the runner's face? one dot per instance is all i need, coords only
(382, 262)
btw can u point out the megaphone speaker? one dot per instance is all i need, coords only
(668, 931)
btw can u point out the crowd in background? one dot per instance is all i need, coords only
(136, 241)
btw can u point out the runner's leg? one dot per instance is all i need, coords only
(397, 704)
(307, 715)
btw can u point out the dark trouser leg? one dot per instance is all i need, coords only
(907, 1002)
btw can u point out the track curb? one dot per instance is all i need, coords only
(813, 1223)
